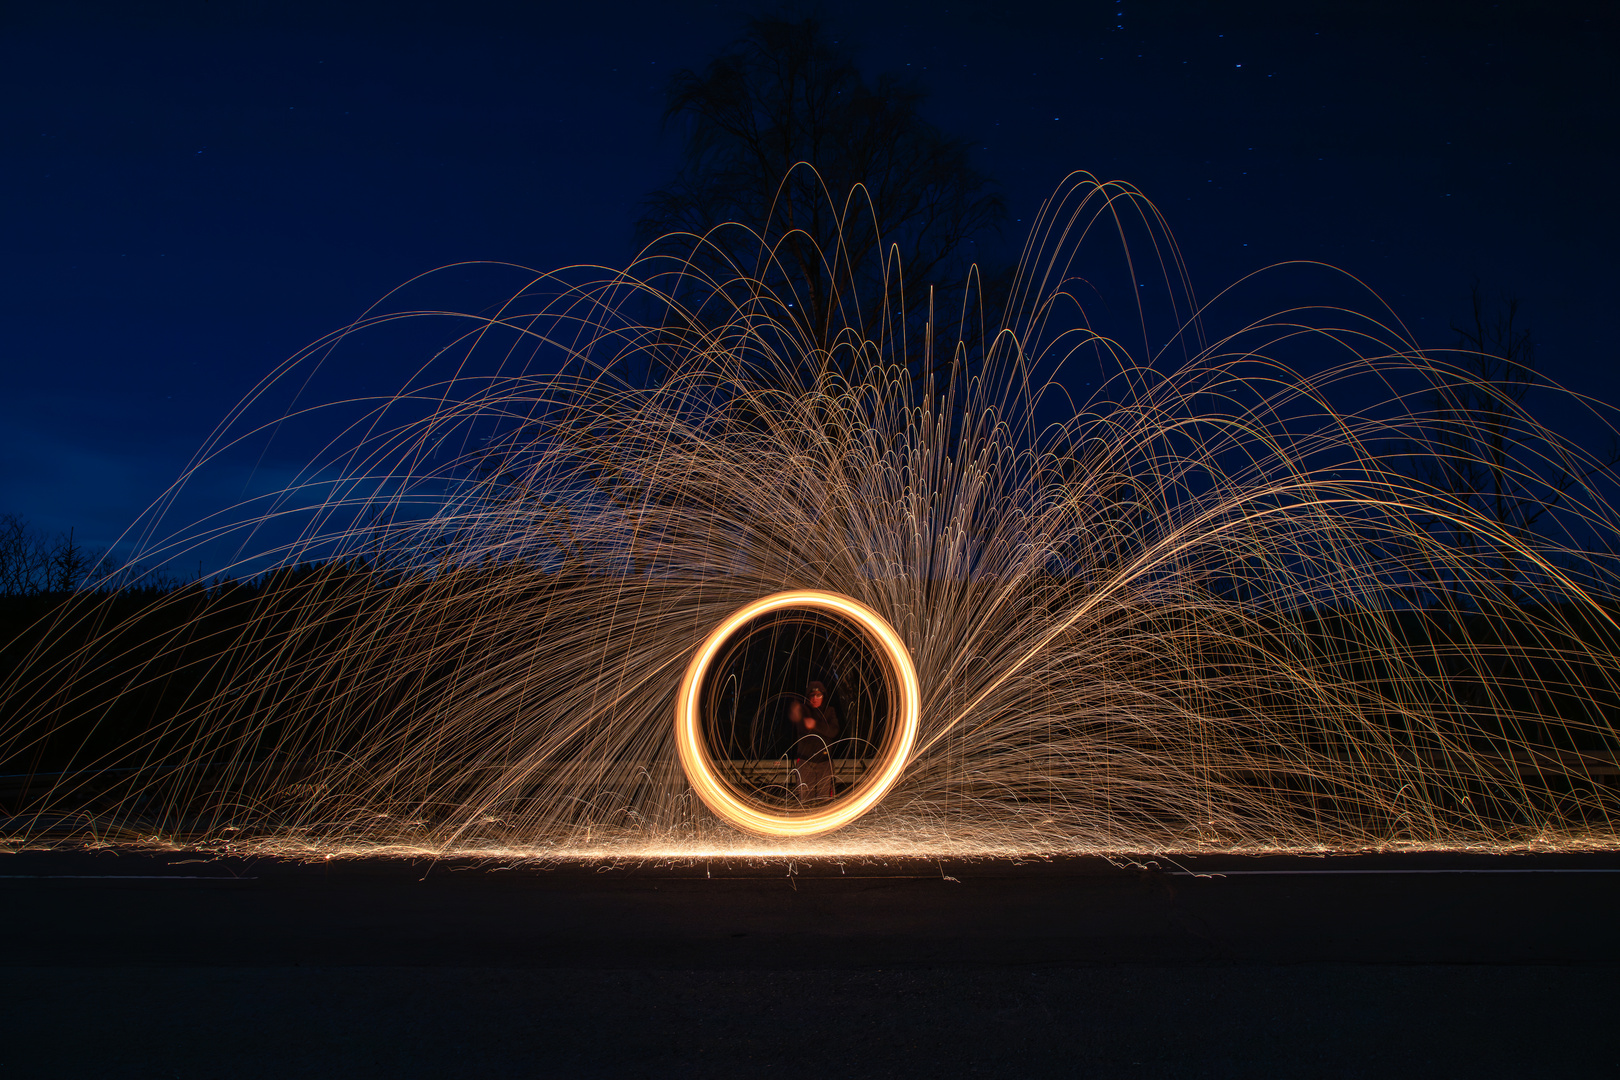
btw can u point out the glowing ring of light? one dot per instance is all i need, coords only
(719, 796)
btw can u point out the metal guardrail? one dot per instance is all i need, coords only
(766, 773)
(1528, 764)
(608, 775)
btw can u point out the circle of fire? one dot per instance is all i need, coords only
(728, 803)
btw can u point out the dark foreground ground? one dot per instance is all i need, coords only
(126, 965)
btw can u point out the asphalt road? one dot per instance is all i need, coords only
(120, 964)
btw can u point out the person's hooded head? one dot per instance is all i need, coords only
(816, 693)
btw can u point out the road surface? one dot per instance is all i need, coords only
(173, 965)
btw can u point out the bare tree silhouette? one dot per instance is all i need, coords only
(1474, 455)
(32, 563)
(787, 144)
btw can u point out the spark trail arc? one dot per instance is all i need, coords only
(1278, 582)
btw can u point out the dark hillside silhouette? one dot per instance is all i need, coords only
(155, 697)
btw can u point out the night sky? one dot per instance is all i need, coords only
(194, 193)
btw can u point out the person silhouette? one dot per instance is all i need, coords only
(815, 727)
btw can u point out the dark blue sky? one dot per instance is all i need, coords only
(194, 193)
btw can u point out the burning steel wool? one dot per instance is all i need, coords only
(1196, 606)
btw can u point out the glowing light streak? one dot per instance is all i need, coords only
(736, 808)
